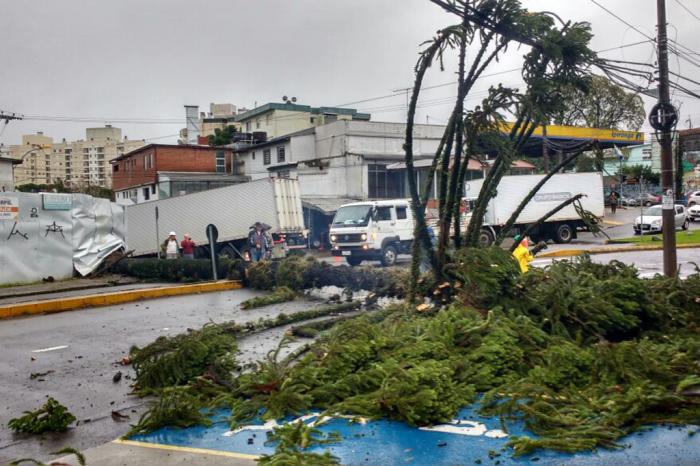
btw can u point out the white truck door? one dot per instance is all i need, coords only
(385, 223)
(404, 223)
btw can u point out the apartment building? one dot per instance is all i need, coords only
(78, 163)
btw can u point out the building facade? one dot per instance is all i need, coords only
(79, 163)
(160, 171)
(279, 119)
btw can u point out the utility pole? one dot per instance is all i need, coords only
(10, 116)
(663, 118)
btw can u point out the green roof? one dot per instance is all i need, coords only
(302, 108)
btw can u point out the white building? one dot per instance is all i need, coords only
(341, 162)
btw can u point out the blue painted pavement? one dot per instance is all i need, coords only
(470, 439)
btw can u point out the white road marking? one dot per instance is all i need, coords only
(53, 348)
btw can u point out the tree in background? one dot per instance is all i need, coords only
(604, 105)
(59, 187)
(639, 171)
(222, 137)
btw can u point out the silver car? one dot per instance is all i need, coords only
(650, 220)
(694, 212)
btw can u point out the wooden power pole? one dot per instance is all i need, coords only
(663, 118)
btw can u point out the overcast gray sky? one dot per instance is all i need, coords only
(147, 58)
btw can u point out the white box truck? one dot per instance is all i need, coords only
(562, 226)
(380, 230)
(232, 209)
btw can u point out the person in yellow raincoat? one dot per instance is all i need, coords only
(522, 253)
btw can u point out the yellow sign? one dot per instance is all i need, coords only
(577, 132)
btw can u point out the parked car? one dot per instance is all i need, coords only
(694, 212)
(629, 201)
(694, 198)
(650, 220)
(649, 199)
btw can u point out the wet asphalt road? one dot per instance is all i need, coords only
(81, 351)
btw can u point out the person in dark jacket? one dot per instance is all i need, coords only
(258, 243)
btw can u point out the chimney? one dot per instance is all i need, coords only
(192, 120)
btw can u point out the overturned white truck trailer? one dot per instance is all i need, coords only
(50, 235)
(232, 210)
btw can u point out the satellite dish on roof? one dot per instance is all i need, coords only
(294, 99)
(284, 98)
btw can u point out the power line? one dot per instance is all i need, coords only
(623, 21)
(688, 10)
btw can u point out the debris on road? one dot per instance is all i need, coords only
(52, 417)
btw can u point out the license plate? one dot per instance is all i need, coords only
(346, 253)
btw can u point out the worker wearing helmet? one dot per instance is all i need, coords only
(522, 253)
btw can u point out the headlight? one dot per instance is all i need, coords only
(334, 238)
(656, 223)
(363, 236)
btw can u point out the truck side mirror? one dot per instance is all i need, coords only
(373, 214)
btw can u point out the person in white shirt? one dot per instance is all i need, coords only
(170, 247)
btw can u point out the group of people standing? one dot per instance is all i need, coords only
(260, 244)
(171, 249)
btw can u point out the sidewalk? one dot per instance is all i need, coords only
(128, 453)
(73, 284)
(104, 296)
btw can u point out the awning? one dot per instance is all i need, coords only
(326, 205)
(423, 163)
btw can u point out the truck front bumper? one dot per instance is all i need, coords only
(358, 251)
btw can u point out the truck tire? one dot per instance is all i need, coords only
(486, 238)
(563, 233)
(353, 261)
(388, 256)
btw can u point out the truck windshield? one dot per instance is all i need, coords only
(352, 215)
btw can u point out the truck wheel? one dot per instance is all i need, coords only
(353, 260)
(563, 233)
(388, 256)
(485, 238)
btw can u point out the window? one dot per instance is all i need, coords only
(146, 194)
(383, 183)
(148, 161)
(679, 210)
(266, 157)
(253, 155)
(220, 161)
(283, 174)
(401, 213)
(267, 119)
(153, 189)
(383, 214)
(280, 154)
(247, 127)
(257, 124)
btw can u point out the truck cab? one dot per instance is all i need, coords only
(372, 230)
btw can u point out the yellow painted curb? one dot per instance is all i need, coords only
(578, 252)
(613, 223)
(107, 299)
(160, 446)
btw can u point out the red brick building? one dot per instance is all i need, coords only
(159, 171)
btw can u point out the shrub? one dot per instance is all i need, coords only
(174, 270)
(52, 417)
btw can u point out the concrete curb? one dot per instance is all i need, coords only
(107, 299)
(578, 252)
